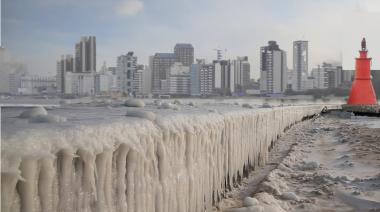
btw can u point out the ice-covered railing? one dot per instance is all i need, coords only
(176, 163)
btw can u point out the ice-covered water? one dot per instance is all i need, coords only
(102, 160)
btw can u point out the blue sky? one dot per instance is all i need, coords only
(37, 32)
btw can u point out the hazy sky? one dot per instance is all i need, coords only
(39, 31)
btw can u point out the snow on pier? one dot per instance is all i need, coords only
(179, 161)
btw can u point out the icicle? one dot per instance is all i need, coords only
(28, 188)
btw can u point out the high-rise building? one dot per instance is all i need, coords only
(160, 65)
(241, 69)
(300, 64)
(184, 53)
(64, 65)
(224, 82)
(273, 69)
(126, 66)
(85, 55)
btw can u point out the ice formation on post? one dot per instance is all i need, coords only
(174, 163)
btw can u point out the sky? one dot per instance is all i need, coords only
(37, 32)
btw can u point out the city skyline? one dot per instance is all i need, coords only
(133, 25)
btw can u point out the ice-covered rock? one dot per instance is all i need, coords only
(141, 114)
(250, 201)
(134, 103)
(33, 112)
(246, 105)
(48, 118)
(289, 196)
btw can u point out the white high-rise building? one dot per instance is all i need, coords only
(273, 69)
(300, 64)
(126, 66)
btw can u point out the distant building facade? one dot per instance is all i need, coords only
(273, 69)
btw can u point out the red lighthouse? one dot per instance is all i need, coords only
(362, 92)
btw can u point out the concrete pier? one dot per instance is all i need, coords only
(363, 110)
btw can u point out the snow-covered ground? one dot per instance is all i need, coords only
(166, 156)
(331, 163)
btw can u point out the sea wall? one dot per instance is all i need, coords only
(176, 163)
